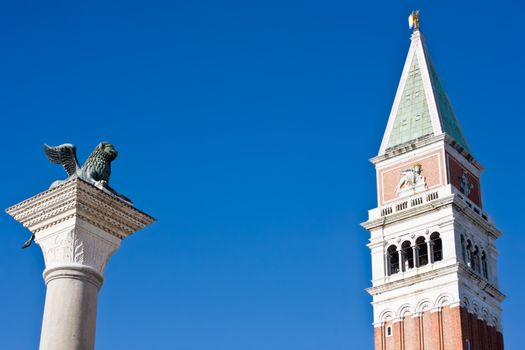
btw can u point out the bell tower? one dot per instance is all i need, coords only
(434, 276)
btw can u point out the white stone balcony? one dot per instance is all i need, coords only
(422, 198)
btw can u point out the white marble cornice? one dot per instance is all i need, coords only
(462, 207)
(408, 214)
(76, 198)
(480, 283)
(409, 281)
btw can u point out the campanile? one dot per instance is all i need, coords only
(434, 276)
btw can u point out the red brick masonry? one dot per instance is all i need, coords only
(448, 329)
(455, 170)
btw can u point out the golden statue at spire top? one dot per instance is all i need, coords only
(413, 20)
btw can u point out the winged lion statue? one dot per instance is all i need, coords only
(96, 170)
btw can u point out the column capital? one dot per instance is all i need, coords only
(78, 225)
(77, 245)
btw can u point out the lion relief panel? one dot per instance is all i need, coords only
(412, 176)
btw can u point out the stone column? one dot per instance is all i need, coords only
(78, 227)
(399, 256)
(430, 249)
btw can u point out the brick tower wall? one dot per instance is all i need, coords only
(448, 329)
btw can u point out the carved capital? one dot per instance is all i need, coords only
(78, 225)
(77, 246)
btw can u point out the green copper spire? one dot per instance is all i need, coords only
(413, 117)
(449, 122)
(422, 107)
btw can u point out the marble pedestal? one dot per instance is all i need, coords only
(78, 227)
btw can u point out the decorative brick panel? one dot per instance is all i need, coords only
(455, 171)
(378, 338)
(411, 332)
(452, 340)
(448, 329)
(433, 171)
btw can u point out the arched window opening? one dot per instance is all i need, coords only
(421, 251)
(389, 331)
(408, 255)
(437, 247)
(393, 260)
(463, 249)
(484, 267)
(475, 259)
(469, 253)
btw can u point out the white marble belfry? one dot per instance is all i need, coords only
(78, 227)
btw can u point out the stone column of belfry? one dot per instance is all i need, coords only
(78, 227)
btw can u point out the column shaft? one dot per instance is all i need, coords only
(70, 311)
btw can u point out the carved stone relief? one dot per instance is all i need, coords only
(77, 246)
(411, 180)
(466, 186)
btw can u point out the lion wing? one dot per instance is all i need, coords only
(66, 155)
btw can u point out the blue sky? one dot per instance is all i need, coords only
(245, 128)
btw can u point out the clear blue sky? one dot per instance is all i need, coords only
(245, 128)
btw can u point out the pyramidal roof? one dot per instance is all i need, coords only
(421, 106)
